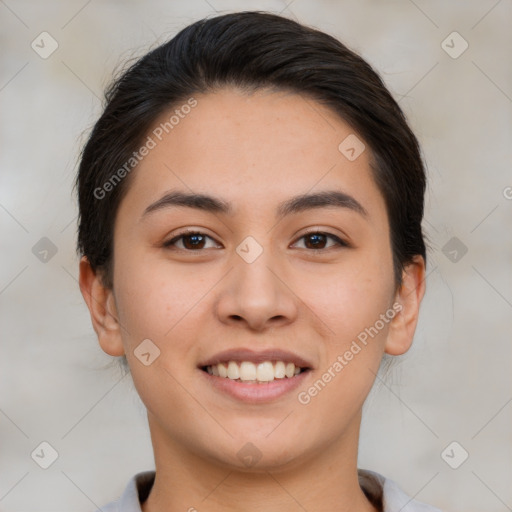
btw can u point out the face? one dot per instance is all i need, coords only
(289, 263)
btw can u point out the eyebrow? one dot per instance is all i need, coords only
(294, 205)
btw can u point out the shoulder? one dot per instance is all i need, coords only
(135, 492)
(388, 495)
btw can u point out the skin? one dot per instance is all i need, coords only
(253, 151)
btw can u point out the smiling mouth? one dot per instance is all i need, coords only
(248, 372)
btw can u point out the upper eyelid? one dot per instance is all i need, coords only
(179, 236)
(338, 239)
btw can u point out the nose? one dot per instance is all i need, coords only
(256, 295)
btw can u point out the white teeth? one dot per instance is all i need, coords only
(279, 370)
(265, 372)
(233, 371)
(249, 372)
(223, 371)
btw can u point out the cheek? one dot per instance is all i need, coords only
(150, 302)
(157, 305)
(349, 297)
(161, 302)
(352, 305)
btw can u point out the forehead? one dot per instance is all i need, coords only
(257, 149)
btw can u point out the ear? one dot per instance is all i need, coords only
(408, 297)
(101, 304)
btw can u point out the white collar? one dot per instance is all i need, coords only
(378, 489)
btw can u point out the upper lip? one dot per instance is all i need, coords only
(256, 357)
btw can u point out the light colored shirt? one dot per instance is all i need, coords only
(385, 494)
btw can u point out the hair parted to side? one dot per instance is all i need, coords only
(250, 50)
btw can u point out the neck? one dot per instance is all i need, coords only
(187, 482)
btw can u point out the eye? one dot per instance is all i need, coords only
(190, 240)
(196, 240)
(317, 239)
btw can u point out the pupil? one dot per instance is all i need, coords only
(195, 237)
(316, 238)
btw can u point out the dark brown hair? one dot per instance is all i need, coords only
(250, 50)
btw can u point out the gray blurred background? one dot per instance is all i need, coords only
(448, 398)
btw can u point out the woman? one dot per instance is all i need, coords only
(250, 204)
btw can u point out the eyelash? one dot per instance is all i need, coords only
(170, 243)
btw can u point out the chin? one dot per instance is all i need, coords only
(258, 452)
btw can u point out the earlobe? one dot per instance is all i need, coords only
(409, 297)
(102, 308)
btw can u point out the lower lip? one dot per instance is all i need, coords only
(253, 392)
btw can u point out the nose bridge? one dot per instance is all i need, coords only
(254, 276)
(254, 291)
(255, 282)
